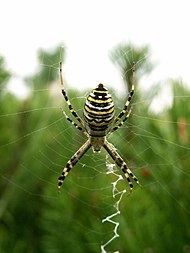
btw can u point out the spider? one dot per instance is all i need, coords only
(98, 122)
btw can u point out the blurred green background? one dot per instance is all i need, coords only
(35, 144)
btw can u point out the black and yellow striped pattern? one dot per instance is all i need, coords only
(71, 163)
(98, 122)
(119, 161)
(99, 110)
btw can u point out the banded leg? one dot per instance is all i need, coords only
(131, 93)
(70, 164)
(73, 123)
(119, 161)
(121, 123)
(66, 98)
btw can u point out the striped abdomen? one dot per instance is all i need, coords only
(99, 110)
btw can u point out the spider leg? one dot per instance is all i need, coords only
(70, 164)
(73, 123)
(131, 93)
(119, 161)
(121, 123)
(66, 98)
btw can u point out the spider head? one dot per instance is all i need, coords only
(97, 143)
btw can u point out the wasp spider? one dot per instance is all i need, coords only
(98, 121)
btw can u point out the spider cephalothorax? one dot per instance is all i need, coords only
(98, 122)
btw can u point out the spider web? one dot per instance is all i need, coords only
(57, 138)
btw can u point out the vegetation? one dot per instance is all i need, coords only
(36, 142)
